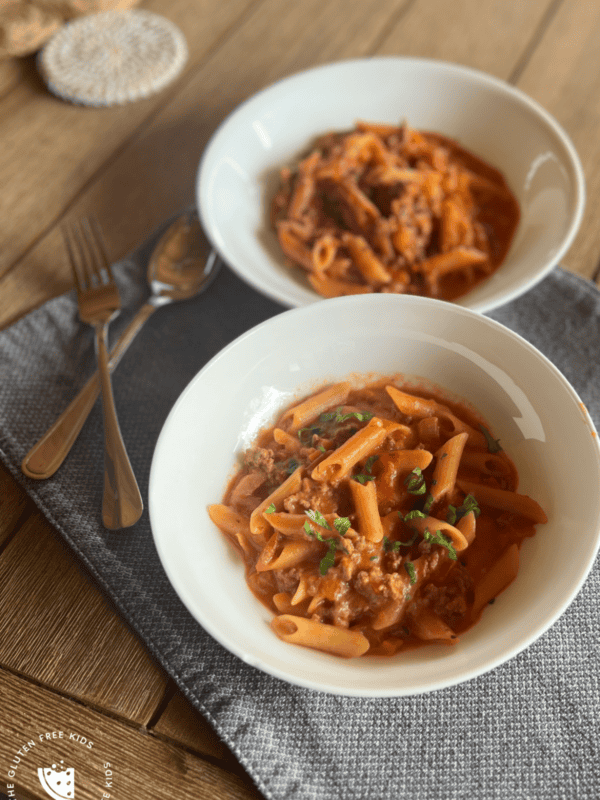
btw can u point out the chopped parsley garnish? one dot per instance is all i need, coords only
(410, 542)
(428, 504)
(369, 463)
(361, 478)
(341, 524)
(414, 514)
(415, 482)
(469, 504)
(410, 568)
(306, 434)
(270, 509)
(328, 559)
(292, 465)
(337, 416)
(493, 445)
(393, 547)
(317, 517)
(312, 532)
(439, 538)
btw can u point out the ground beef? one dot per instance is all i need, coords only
(449, 602)
(314, 495)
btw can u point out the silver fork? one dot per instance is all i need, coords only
(99, 303)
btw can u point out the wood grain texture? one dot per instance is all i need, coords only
(160, 162)
(13, 504)
(11, 71)
(51, 148)
(182, 724)
(490, 35)
(563, 74)
(56, 628)
(142, 765)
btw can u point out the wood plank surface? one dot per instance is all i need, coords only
(563, 74)
(160, 161)
(13, 505)
(141, 764)
(182, 724)
(491, 35)
(56, 628)
(38, 131)
(67, 661)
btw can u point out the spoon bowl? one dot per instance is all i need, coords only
(178, 268)
(181, 266)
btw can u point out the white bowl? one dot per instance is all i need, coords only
(528, 403)
(238, 173)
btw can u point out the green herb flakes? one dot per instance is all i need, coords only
(342, 525)
(415, 482)
(439, 538)
(318, 518)
(410, 568)
(361, 478)
(369, 464)
(328, 559)
(493, 445)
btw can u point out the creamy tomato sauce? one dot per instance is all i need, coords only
(391, 209)
(433, 550)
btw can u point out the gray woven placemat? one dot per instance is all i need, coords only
(529, 729)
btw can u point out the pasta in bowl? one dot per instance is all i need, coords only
(239, 174)
(375, 520)
(421, 344)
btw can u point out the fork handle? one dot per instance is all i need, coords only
(46, 456)
(122, 504)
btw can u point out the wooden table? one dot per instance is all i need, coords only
(64, 653)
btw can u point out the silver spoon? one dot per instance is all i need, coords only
(178, 270)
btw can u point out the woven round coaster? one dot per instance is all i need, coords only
(112, 58)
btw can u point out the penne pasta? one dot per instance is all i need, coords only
(292, 553)
(258, 523)
(386, 526)
(364, 496)
(228, 520)
(300, 415)
(433, 525)
(328, 638)
(409, 211)
(446, 468)
(505, 501)
(501, 573)
(420, 408)
(365, 259)
(337, 465)
(429, 627)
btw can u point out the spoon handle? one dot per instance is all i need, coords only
(48, 454)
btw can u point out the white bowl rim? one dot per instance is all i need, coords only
(371, 692)
(521, 286)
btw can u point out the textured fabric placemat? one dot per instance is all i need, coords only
(529, 729)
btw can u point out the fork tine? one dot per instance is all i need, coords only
(68, 237)
(96, 248)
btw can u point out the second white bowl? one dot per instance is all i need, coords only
(238, 173)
